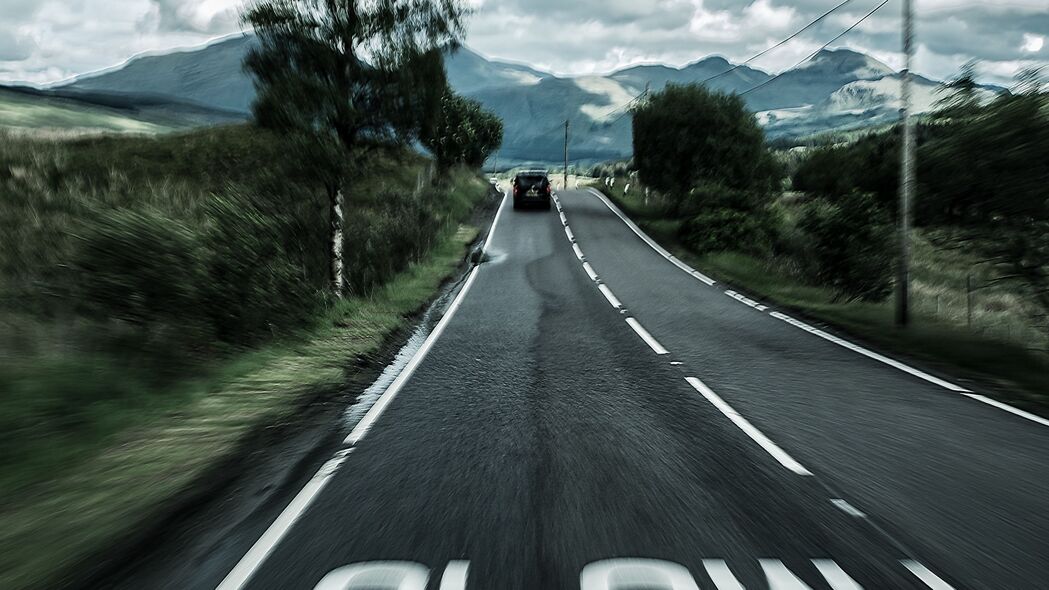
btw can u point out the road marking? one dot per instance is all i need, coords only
(614, 574)
(578, 252)
(922, 573)
(568, 232)
(869, 353)
(1007, 408)
(262, 548)
(564, 220)
(590, 271)
(847, 508)
(649, 340)
(835, 576)
(652, 243)
(777, 453)
(746, 300)
(779, 577)
(454, 577)
(377, 575)
(723, 578)
(609, 296)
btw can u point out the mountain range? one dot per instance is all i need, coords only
(836, 90)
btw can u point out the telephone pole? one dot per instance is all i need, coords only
(566, 154)
(907, 175)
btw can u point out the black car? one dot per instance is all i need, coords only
(532, 187)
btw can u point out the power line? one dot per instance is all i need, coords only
(817, 52)
(777, 45)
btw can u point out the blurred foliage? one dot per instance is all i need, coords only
(463, 133)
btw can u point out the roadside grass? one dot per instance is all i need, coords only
(155, 451)
(1004, 348)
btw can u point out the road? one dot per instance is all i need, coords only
(590, 414)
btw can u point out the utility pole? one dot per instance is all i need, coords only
(907, 166)
(566, 154)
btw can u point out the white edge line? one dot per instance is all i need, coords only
(922, 573)
(847, 508)
(612, 299)
(262, 548)
(869, 353)
(652, 243)
(749, 429)
(649, 340)
(1007, 408)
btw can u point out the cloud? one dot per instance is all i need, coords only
(198, 16)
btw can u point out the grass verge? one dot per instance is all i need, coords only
(53, 526)
(1011, 372)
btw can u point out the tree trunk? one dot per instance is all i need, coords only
(338, 275)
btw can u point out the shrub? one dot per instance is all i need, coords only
(725, 229)
(848, 247)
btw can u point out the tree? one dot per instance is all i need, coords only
(686, 136)
(463, 132)
(348, 76)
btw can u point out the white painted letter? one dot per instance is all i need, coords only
(612, 574)
(377, 575)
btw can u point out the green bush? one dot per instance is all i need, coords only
(723, 229)
(848, 247)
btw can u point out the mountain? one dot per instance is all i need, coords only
(836, 90)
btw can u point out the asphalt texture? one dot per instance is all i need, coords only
(541, 434)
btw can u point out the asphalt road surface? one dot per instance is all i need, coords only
(591, 414)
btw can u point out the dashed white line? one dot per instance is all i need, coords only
(590, 271)
(568, 232)
(922, 573)
(652, 243)
(746, 300)
(578, 251)
(609, 296)
(770, 447)
(847, 508)
(649, 340)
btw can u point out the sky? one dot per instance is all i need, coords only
(44, 41)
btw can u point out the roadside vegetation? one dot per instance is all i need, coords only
(814, 230)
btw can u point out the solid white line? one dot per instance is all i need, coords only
(1008, 408)
(454, 577)
(835, 576)
(748, 428)
(590, 271)
(649, 340)
(609, 296)
(652, 243)
(262, 548)
(495, 222)
(847, 508)
(922, 573)
(578, 252)
(723, 578)
(869, 353)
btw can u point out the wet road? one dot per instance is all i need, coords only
(591, 414)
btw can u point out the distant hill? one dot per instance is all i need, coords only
(836, 90)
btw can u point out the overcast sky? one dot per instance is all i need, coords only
(48, 40)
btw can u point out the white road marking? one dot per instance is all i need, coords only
(770, 447)
(779, 577)
(835, 576)
(590, 271)
(377, 575)
(262, 548)
(1008, 408)
(649, 340)
(615, 574)
(578, 252)
(454, 577)
(746, 300)
(564, 220)
(869, 353)
(652, 243)
(847, 508)
(609, 296)
(922, 573)
(723, 578)
(568, 232)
